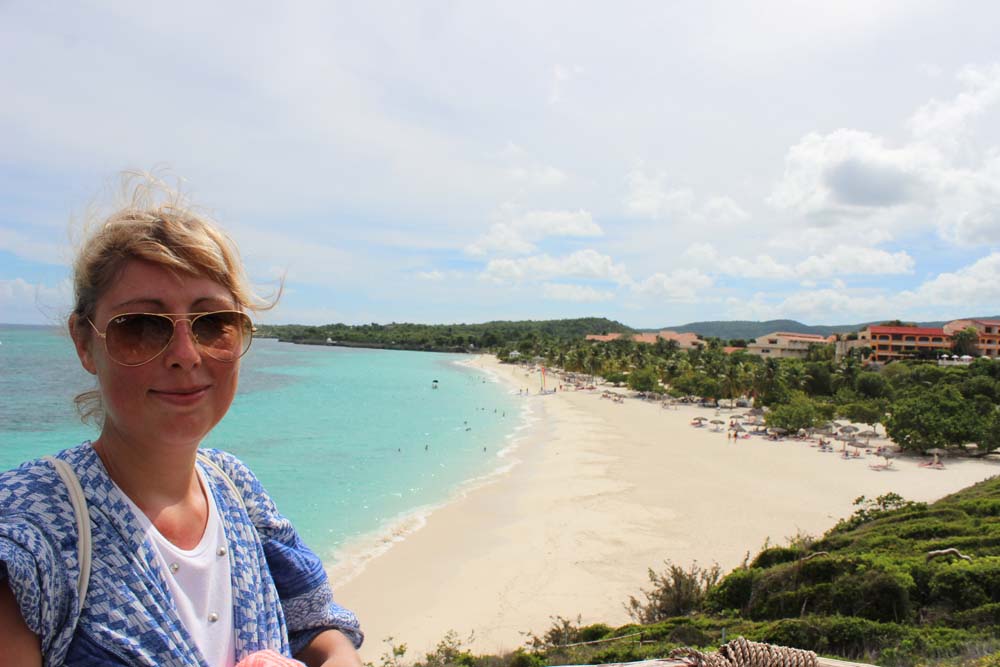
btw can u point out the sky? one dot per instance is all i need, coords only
(653, 162)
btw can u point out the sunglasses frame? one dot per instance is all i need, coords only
(174, 318)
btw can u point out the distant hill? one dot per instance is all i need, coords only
(729, 329)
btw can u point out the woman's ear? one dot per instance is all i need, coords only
(82, 336)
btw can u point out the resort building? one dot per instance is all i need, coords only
(782, 344)
(890, 343)
(988, 344)
(686, 341)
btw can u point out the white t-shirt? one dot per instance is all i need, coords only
(200, 584)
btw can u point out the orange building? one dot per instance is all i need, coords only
(686, 341)
(891, 343)
(988, 344)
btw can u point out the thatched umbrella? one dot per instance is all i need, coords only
(718, 423)
(849, 429)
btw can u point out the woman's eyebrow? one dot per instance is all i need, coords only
(156, 303)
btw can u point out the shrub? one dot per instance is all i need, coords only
(675, 592)
(776, 555)
(733, 592)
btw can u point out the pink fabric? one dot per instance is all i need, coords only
(268, 658)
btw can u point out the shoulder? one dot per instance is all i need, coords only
(33, 485)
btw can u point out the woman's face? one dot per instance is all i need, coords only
(176, 398)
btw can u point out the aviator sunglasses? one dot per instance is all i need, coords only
(134, 339)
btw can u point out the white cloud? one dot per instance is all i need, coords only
(23, 302)
(976, 285)
(541, 176)
(680, 285)
(433, 276)
(968, 291)
(855, 260)
(650, 196)
(839, 260)
(33, 248)
(939, 179)
(520, 234)
(579, 293)
(947, 121)
(581, 264)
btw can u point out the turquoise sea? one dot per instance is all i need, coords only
(349, 442)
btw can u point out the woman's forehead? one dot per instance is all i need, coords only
(144, 283)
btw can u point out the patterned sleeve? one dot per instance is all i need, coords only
(30, 561)
(303, 587)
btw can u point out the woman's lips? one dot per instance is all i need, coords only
(181, 396)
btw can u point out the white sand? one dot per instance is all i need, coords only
(604, 491)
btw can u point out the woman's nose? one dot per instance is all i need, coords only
(183, 348)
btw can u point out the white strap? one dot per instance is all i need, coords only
(203, 457)
(79, 502)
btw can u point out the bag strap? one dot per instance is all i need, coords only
(79, 502)
(83, 542)
(203, 457)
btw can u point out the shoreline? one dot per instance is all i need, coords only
(350, 560)
(603, 491)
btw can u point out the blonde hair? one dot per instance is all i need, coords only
(156, 224)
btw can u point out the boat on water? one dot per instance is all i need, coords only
(434, 384)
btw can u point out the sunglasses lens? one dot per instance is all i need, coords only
(134, 339)
(225, 335)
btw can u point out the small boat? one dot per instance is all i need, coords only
(434, 384)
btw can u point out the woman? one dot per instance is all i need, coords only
(189, 561)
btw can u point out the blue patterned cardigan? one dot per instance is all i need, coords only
(281, 596)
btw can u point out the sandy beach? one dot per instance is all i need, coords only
(602, 491)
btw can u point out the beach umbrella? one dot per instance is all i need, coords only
(739, 429)
(936, 451)
(699, 419)
(868, 434)
(849, 429)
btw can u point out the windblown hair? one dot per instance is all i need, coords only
(156, 224)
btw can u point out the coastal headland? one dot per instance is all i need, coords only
(602, 491)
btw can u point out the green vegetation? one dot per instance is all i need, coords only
(523, 335)
(890, 584)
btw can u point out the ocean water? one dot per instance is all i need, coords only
(349, 442)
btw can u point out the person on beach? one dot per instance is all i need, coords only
(138, 548)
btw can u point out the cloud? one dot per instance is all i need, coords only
(939, 179)
(23, 302)
(681, 285)
(541, 176)
(433, 276)
(34, 249)
(650, 196)
(946, 122)
(519, 235)
(579, 293)
(976, 285)
(561, 75)
(581, 264)
(967, 291)
(846, 171)
(839, 260)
